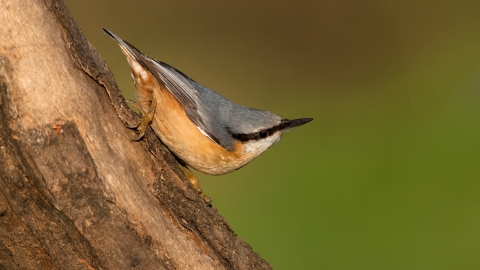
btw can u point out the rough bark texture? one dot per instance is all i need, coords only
(75, 191)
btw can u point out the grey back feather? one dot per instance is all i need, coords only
(217, 116)
(213, 113)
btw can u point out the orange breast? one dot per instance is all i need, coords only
(181, 135)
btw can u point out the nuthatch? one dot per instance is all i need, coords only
(205, 130)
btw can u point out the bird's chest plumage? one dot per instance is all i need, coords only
(196, 123)
(181, 135)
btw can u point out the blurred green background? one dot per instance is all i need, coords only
(387, 176)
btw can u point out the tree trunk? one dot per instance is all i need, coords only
(75, 191)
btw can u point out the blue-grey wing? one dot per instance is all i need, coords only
(183, 89)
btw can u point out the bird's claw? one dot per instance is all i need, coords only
(146, 119)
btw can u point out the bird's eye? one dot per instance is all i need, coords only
(263, 134)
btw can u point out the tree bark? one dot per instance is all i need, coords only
(75, 191)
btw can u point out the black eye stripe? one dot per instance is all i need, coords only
(262, 134)
(284, 124)
(253, 136)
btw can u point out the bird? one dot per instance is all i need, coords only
(205, 130)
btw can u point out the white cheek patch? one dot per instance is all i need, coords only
(261, 145)
(255, 146)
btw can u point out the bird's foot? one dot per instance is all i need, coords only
(196, 185)
(146, 118)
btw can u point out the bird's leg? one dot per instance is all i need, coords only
(146, 117)
(196, 185)
(136, 105)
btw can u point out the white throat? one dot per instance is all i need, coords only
(259, 146)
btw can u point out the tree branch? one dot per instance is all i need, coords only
(75, 191)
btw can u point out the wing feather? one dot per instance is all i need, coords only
(179, 85)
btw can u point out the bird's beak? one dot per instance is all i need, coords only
(289, 124)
